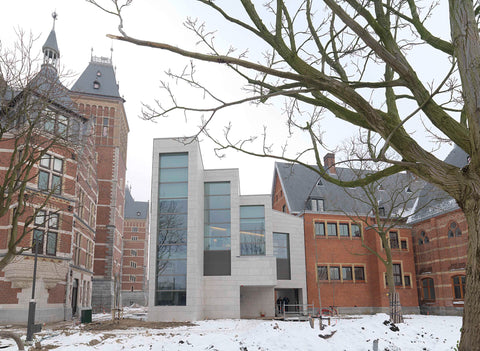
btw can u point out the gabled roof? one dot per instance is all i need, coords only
(98, 79)
(300, 184)
(434, 201)
(134, 209)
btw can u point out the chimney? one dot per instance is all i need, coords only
(329, 163)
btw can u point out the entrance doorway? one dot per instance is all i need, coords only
(288, 299)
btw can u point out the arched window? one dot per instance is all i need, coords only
(454, 230)
(458, 287)
(428, 289)
(423, 239)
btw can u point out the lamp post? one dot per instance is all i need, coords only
(31, 327)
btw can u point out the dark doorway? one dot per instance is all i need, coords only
(74, 296)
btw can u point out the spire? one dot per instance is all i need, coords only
(51, 54)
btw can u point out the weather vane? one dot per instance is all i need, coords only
(54, 16)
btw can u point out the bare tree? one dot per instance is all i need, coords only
(351, 58)
(34, 106)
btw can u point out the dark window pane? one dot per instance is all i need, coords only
(407, 280)
(359, 273)
(37, 239)
(255, 225)
(171, 298)
(56, 184)
(172, 236)
(173, 206)
(172, 267)
(51, 243)
(404, 245)
(173, 160)
(394, 240)
(175, 282)
(322, 272)
(165, 252)
(173, 175)
(166, 221)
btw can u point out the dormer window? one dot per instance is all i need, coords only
(96, 84)
(99, 74)
(317, 205)
(381, 211)
(319, 183)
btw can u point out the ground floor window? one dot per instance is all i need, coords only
(428, 289)
(459, 287)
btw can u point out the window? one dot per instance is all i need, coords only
(320, 228)
(423, 238)
(134, 238)
(46, 224)
(344, 229)
(393, 240)
(397, 274)
(317, 205)
(284, 208)
(359, 273)
(133, 253)
(356, 231)
(454, 230)
(217, 234)
(332, 229)
(459, 287)
(403, 245)
(281, 250)
(55, 123)
(381, 211)
(334, 273)
(135, 229)
(406, 279)
(428, 289)
(132, 278)
(252, 230)
(347, 273)
(133, 264)
(50, 174)
(322, 272)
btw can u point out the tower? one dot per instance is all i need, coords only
(97, 96)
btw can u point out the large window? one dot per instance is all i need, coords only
(252, 230)
(332, 229)
(45, 234)
(347, 273)
(322, 272)
(281, 250)
(217, 254)
(356, 230)
(394, 240)
(454, 230)
(320, 228)
(344, 229)
(334, 273)
(459, 287)
(171, 282)
(428, 289)
(50, 174)
(397, 274)
(359, 273)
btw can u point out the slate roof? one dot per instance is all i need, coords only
(51, 43)
(301, 184)
(134, 209)
(434, 201)
(98, 79)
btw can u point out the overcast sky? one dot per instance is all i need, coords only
(81, 27)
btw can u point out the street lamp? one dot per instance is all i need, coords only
(31, 326)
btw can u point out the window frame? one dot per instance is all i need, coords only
(461, 285)
(343, 225)
(322, 225)
(328, 229)
(393, 239)
(430, 288)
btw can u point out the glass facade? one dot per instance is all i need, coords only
(281, 250)
(252, 230)
(217, 216)
(171, 268)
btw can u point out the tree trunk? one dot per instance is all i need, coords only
(470, 339)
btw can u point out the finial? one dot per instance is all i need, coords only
(91, 54)
(54, 16)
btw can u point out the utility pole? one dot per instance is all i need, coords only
(31, 326)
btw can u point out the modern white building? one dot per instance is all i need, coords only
(215, 253)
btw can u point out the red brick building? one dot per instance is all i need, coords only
(340, 270)
(96, 96)
(63, 226)
(135, 252)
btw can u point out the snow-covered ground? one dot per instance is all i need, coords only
(351, 333)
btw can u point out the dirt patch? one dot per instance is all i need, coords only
(128, 323)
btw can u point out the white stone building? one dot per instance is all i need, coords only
(215, 253)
